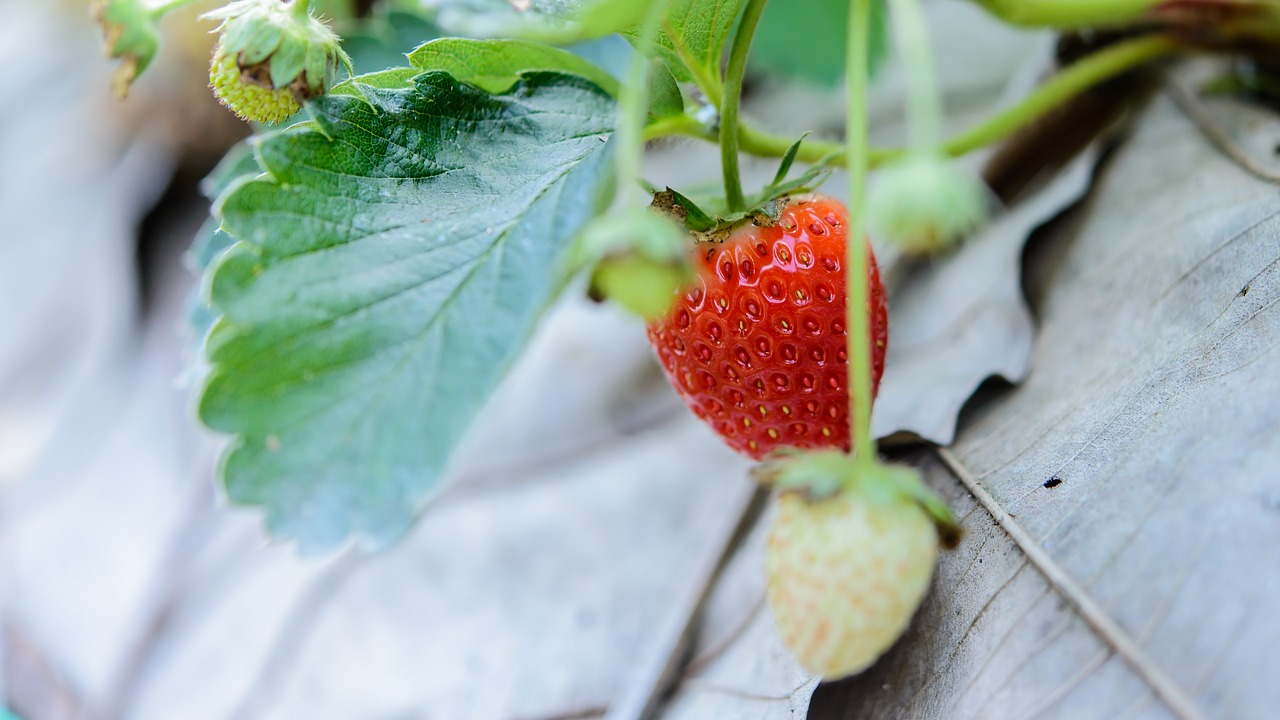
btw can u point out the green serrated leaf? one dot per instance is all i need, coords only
(210, 240)
(665, 98)
(495, 65)
(238, 162)
(391, 79)
(389, 270)
(805, 39)
(552, 21)
(693, 36)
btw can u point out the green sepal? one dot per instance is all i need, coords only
(253, 42)
(686, 210)
(815, 475)
(288, 61)
(823, 474)
(320, 64)
(788, 159)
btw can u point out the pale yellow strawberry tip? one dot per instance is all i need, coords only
(247, 98)
(845, 576)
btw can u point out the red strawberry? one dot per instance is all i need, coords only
(757, 345)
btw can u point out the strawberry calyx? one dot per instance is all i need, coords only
(271, 57)
(762, 209)
(822, 475)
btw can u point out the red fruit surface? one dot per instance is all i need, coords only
(756, 345)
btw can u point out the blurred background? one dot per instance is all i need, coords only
(533, 582)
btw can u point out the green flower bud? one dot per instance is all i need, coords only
(924, 204)
(641, 261)
(271, 57)
(131, 35)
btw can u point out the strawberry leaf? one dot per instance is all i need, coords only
(390, 266)
(211, 240)
(495, 65)
(694, 34)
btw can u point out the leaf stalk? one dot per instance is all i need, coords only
(858, 58)
(732, 98)
(1073, 80)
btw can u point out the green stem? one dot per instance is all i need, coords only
(169, 6)
(1102, 65)
(1096, 68)
(734, 73)
(924, 111)
(858, 323)
(633, 99)
(682, 125)
(302, 9)
(1069, 13)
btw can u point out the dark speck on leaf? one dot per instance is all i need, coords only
(1053, 482)
(1244, 290)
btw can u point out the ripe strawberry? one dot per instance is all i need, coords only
(757, 345)
(846, 574)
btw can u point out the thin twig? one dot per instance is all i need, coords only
(723, 643)
(1196, 111)
(1120, 641)
(708, 686)
(170, 581)
(659, 664)
(577, 713)
(696, 665)
(35, 685)
(307, 611)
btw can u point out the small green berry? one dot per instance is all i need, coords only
(271, 57)
(247, 93)
(924, 204)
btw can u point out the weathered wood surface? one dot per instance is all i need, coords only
(1141, 455)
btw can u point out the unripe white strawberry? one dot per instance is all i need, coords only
(849, 559)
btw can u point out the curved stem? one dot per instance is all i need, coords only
(634, 97)
(859, 325)
(302, 9)
(1069, 13)
(682, 125)
(169, 6)
(1096, 68)
(729, 103)
(924, 110)
(1102, 65)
